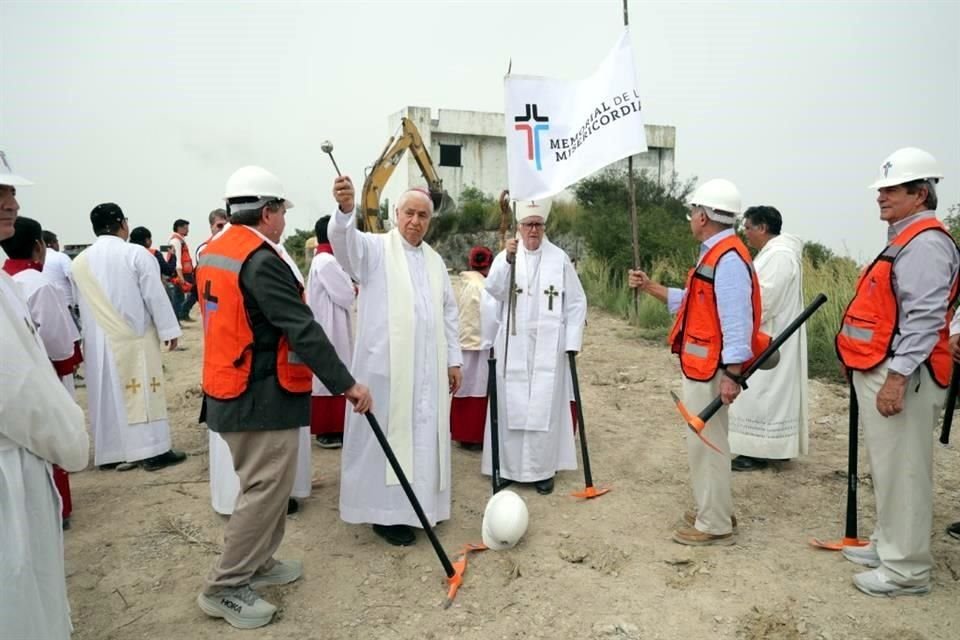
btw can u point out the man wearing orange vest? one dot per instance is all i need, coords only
(894, 341)
(184, 294)
(262, 348)
(717, 330)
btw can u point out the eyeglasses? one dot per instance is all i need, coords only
(532, 225)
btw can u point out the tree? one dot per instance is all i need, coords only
(294, 244)
(661, 219)
(817, 254)
(952, 220)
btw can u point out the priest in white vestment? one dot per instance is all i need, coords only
(125, 314)
(40, 425)
(330, 294)
(770, 420)
(536, 428)
(408, 349)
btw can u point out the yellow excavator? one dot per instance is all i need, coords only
(383, 168)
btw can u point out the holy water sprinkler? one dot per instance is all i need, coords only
(327, 148)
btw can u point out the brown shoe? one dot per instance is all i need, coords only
(693, 537)
(690, 517)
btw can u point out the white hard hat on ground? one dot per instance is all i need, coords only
(528, 208)
(720, 198)
(504, 520)
(255, 182)
(906, 165)
(7, 176)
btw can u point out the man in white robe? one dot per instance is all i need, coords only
(330, 294)
(770, 420)
(536, 428)
(59, 269)
(408, 349)
(39, 425)
(125, 314)
(25, 264)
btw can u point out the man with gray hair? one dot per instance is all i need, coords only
(408, 348)
(716, 331)
(894, 341)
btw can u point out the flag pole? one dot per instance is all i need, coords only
(634, 229)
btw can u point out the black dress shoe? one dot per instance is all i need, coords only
(163, 460)
(110, 466)
(954, 530)
(544, 487)
(292, 506)
(472, 446)
(746, 463)
(399, 535)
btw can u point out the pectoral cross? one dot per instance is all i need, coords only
(154, 384)
(551, 293)
(134, 386)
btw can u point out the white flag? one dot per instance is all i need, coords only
(560, 131)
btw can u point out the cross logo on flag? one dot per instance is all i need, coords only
(559, 131)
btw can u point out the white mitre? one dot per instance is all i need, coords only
(527, 208)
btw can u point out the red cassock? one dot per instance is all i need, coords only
(327, 414)
(468, 417)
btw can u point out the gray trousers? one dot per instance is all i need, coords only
(266, 463)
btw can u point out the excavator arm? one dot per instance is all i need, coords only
(383, 168)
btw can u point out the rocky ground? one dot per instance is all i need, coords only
(141, 542)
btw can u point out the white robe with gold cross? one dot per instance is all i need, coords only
(129, 277)
(535, 425)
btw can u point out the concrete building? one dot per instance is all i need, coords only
(468, 148)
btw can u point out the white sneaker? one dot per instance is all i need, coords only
(864, 556)
(242, 607)
(876, 583)
(283, 572)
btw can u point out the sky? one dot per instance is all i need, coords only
(154, 104)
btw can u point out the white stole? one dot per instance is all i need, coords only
(530, 399)
(400, 310)
(138, 360)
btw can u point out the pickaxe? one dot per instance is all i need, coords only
(698, 422)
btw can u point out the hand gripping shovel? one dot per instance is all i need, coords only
(850, 538)
(698, 422)
(589, 490)
(454, 570)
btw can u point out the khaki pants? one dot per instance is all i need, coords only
(266, 462)
(710, 473)
(900, 451)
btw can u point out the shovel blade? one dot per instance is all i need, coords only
(591, 492)
(837, 545)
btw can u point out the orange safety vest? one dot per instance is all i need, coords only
(228, 336)
(185, 262)
(696, 335)
(871, 320)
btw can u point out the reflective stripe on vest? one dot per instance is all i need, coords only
(697, 336)
(871, 320)
(228, 335)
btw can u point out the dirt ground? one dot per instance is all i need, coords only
(141, 542)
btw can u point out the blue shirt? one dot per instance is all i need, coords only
(733, 287)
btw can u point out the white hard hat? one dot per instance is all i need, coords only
(906, 165)
(250, 182)
(527, 208)
(720, 195)
(7, 176)
(504, 520)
